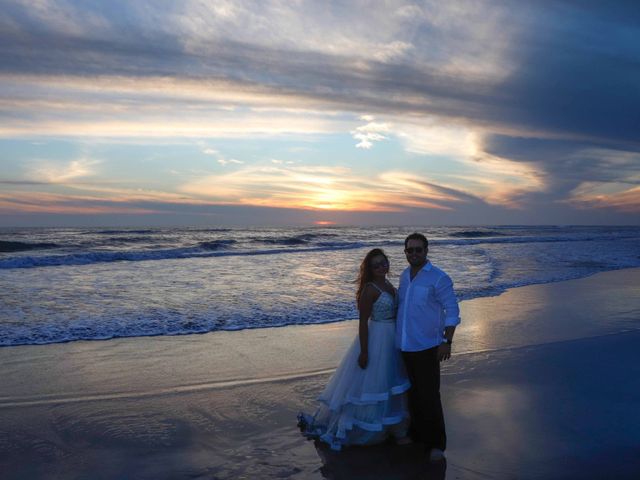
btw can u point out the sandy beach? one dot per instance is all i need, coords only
(544, 383)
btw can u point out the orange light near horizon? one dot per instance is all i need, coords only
(324, 222)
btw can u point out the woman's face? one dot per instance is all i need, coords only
(379, 265)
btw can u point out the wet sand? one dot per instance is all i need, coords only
(544, 383)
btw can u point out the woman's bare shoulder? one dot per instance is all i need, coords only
(370, 292)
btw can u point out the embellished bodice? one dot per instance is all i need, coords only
(385, 307)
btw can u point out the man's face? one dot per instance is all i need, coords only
(415, 252)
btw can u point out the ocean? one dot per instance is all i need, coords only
(66, 284)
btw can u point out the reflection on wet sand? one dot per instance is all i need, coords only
(379, 462)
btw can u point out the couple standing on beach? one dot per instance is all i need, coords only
(388, 383)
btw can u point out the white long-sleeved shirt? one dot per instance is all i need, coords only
(427, 305)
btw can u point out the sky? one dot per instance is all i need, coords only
(295, 112)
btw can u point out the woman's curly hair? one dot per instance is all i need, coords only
(365, 275)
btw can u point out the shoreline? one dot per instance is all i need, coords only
(520, 317)
(223, 404)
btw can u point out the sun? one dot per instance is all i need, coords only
(330, 199)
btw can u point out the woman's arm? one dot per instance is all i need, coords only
(365, 305)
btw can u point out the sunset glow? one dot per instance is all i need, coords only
(197, 113)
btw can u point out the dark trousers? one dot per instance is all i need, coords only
(425, 407)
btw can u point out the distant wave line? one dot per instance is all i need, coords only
(136, 256)
(204, 250)
(15, 246)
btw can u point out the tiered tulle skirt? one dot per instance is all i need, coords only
(363, 406)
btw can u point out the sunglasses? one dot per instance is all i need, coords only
(379, 264)
(414, 249)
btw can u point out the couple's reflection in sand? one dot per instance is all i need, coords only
(386, 461)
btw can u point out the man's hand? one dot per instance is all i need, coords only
(444, 352)
(363, 360)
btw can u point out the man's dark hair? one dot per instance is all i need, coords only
(417, 236)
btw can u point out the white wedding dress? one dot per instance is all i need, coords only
(365, 406)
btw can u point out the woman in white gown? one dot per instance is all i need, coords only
(365, 401)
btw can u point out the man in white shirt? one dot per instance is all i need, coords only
(427, 317)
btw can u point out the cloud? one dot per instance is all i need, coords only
(496, 179)
(324, 188)
(51, 172)
(83, 108)
(392, 51)
(224, 161)
(621, 197)
(434, 137)
(41, 202)
(474, 60)
(277, 161)
(545, 96)
(308, 51)
(82, 198)
(221, 160)
(369, 133)
(530, 84)
(566, 165)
